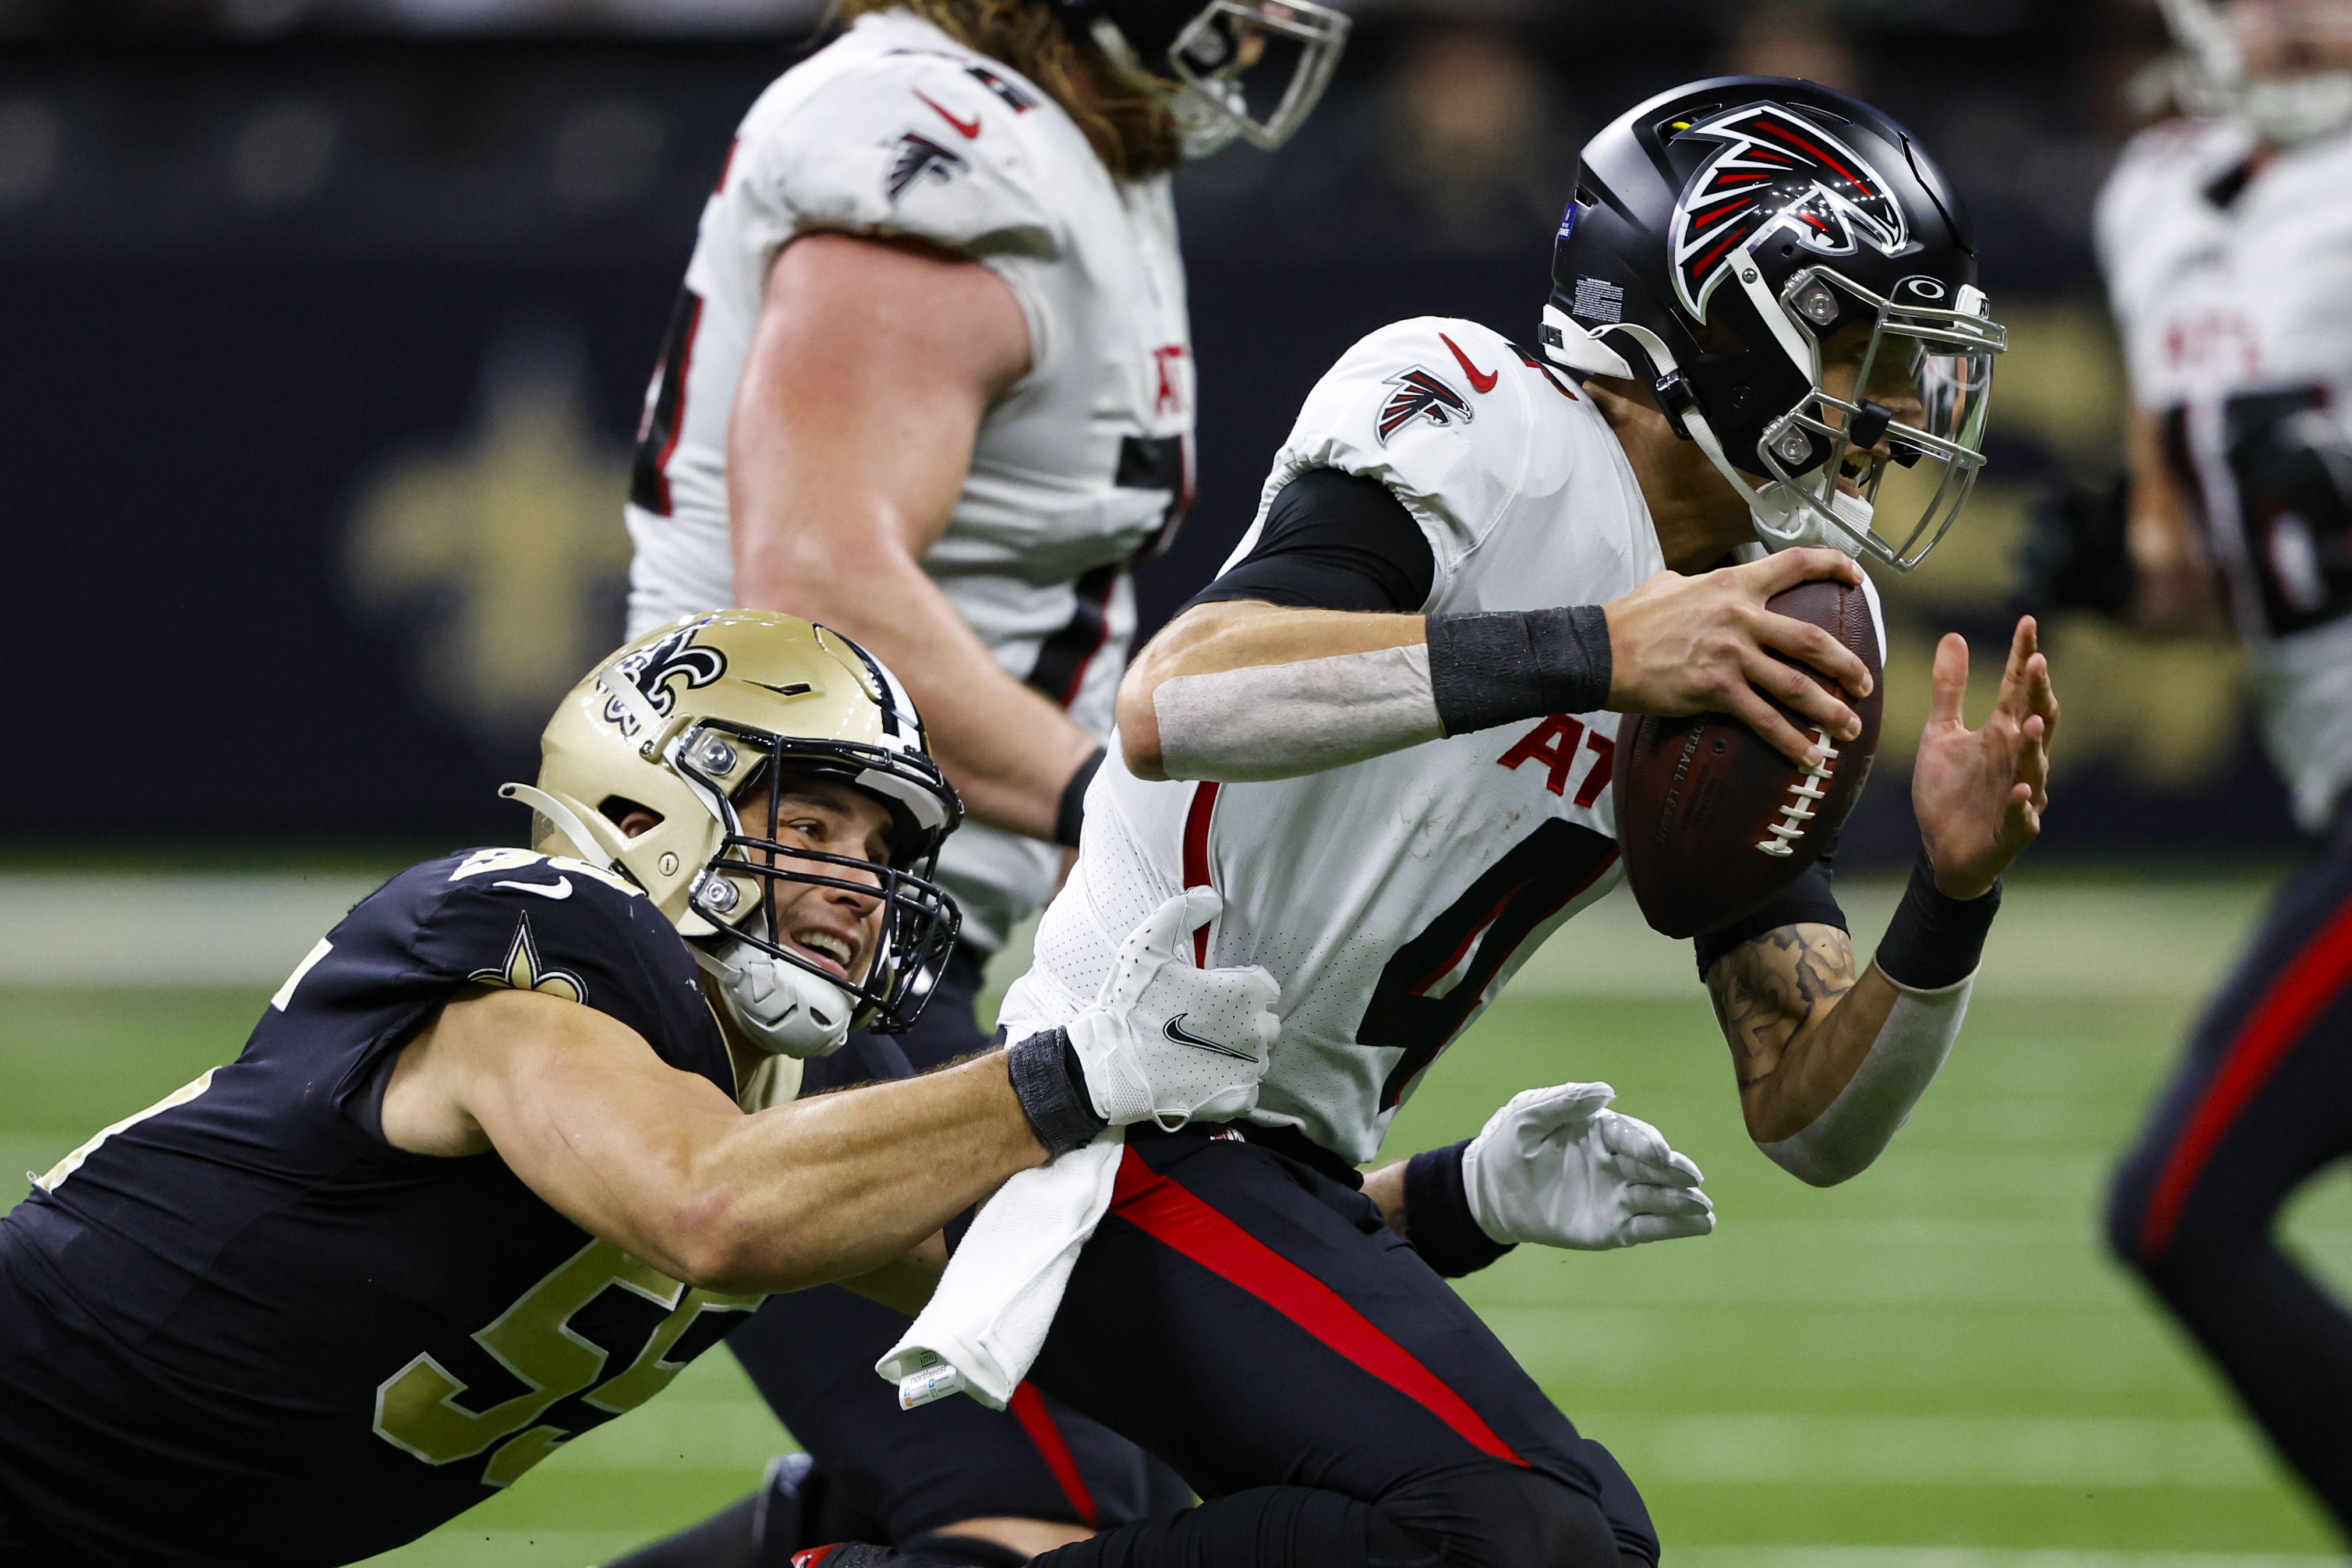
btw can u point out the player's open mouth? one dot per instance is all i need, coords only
(832, 951)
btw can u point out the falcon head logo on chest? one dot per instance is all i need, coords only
(1421, 395)
(1777, 173)
(917, 156)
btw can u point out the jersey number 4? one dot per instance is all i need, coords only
(1435, 982)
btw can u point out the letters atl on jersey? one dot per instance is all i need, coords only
(2234, 296)
(896, 130)
(239, 1327)
(1392, 899)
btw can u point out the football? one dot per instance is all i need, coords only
(1711, 820)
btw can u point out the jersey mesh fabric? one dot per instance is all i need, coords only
(1392, 899)
(235, 1309)
(896, 130)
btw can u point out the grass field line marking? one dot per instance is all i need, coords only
(1938, 1451)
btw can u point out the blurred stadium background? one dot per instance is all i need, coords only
(326, 326)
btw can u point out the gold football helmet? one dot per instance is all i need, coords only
(688, 721)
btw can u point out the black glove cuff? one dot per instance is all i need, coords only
(1491, 667)
(1438, 1218)
(1072, 814)
(1936, 940)
(1052, 1088)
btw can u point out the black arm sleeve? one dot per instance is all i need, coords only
(1807, 901)
(1333, 541)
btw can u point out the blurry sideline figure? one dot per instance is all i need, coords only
(1382, 739)
(2227, 243)
(512, 1143)
(930, 382)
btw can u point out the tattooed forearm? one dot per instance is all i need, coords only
(1768, 990)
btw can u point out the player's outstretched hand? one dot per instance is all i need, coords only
(1697, 644)
(1558, 1167)
(1979, 793)
(1171, 1043)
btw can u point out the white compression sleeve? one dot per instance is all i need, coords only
(1911, 1045)
(1281, 721)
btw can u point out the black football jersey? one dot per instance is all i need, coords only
(240, 1328)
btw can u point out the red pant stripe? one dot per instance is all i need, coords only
(1196, 857)
(2300, 994)
(1167, 1212)
(1029, 1408)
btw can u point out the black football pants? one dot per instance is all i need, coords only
(1253, 1323)
(892, 1476)
(2262, 1102)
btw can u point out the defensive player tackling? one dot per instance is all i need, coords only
(1382, 739)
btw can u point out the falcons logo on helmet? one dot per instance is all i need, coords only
(920, 155)
(1777, 171)
(1418, 395)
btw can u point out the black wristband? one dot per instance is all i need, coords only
(1072, 814)
(1052, 1087)
(1491, 667)
(1438, 1217)
(1936, 940)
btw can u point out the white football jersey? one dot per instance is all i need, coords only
(2237, 324)
(1392, 899)
(895, 129)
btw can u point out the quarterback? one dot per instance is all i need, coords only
(512, 1143)
(1382, 738)
(930, 381)
(2227, 242)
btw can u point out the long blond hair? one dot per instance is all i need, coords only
(1130, 128)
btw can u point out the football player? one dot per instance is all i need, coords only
(930, 382)
(511, 1146)
(1383, 736)
(2227, 243)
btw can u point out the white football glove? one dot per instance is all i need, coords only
(1557, 1166)
(1169, 1043)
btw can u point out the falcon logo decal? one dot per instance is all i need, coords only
(1777, 171)
(651, 670)
(1421, 395)
(918, 156)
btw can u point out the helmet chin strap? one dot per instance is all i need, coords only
(783, 1008)
(1783, 515)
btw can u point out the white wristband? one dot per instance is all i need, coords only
(1284, 721)
(1911, 1045)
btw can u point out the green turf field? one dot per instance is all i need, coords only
(1931, 1367)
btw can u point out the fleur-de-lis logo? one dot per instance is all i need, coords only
(523, 971)
(651, 669)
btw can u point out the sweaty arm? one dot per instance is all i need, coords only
(1311, 652)
(867, 379)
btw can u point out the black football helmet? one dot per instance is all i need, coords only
(1794, 277)
(1247, 68)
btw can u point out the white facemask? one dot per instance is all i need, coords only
(784, 1010)
(1784, 521)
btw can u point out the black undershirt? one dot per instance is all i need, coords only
(1340, 541)
(1333, 541)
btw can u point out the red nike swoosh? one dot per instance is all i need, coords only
(971, 127)
(1480, 380)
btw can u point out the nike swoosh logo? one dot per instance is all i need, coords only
(1481, 381)
(1174, 1030)
(972, 128)
(559, 888)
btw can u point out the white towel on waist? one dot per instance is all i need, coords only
(987, 1320)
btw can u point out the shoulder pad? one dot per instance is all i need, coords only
(919, 142)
